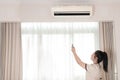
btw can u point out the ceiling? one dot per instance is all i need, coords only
(57, 1)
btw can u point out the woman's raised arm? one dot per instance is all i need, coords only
(78, 60)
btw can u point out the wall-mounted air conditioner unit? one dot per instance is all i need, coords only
(72, 11)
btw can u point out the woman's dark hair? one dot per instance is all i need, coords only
(102, 56)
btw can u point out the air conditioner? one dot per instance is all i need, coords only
(72, 11)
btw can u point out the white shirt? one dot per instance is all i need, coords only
(93, 72)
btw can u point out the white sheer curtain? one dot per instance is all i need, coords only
(47, 49)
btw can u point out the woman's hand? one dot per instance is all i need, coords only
(73, 49)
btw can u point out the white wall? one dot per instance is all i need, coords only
(9, 12)
(42, 12)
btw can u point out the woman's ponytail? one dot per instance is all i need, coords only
(102, 56)
(105, 62)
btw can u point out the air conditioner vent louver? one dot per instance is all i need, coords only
(72, 13)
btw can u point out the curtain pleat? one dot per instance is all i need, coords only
(11, 51)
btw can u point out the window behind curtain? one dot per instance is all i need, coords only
(47, 49)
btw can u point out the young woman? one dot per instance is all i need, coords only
(93, 71)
